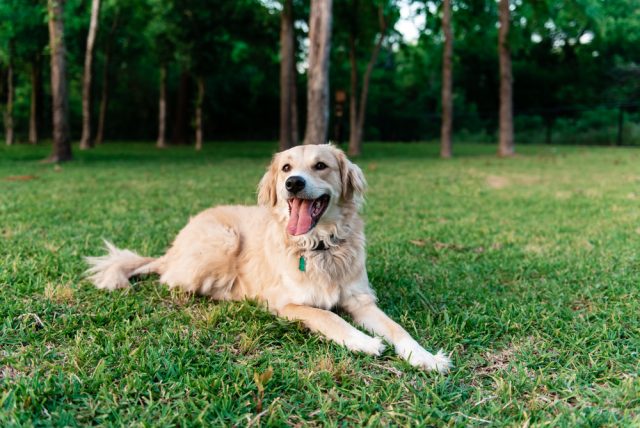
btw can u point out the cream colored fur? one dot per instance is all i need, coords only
(241, 252)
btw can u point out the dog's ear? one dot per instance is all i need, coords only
(353, 182)
(267, 194)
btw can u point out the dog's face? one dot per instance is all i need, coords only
(309, 185)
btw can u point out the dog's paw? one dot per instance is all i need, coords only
(417, 356)
(367, 344)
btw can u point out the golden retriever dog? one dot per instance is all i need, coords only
(301, 252)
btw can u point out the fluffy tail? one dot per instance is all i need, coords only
(114, 269)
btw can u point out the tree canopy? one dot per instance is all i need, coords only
(575, 62)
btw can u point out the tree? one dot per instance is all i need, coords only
(198, 118)
(8, 110)
(505, 143)
(60, 101)
(161, 35)
(357, 108)
(318, 73)
(85, 140)
(447, 82)
(288, 107)
(104, 94)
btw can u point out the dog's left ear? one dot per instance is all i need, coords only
(353, 182)
(267, 194)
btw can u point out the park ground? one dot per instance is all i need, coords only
(527, 270)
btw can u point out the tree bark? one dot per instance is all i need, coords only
(357, 110)
(286, 75)
(318, 73)
(295, 138)
(8, 112)
(60, 101)
(162, 109)
(505, 144)
(104, 100)
(35, 106)
(180, 128)
(104, 96)
(85, 140)
(447, 82)
(199, 100)
(354, 146)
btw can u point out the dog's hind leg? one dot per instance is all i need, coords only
(114, 269)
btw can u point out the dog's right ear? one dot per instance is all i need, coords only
(267, 194)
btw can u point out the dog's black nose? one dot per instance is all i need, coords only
(294, 184)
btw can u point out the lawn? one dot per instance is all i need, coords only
(526, 270)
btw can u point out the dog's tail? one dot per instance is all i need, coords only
(114, 269)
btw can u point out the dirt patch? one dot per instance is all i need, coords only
(8, 372)
(497, 182)
(20, 178)
(59, 293)
(500, 360)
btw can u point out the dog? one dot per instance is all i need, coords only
(300, 251)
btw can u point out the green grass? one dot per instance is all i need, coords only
(527, 270)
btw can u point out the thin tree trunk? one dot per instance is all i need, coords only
(162, 109)
(286, 75)
(104, 100)
(354, 146)
(505, 144)
(295, 138)
(34, 107)
(8, 112)
(358, 111)
(318, 74)
(447, 82)
(104, 96)
(85, 140)
(199, 100)
(60, 103)
(180, 124)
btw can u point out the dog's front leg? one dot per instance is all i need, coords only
(373, 319)
(333, 327)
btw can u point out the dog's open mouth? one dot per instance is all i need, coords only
(304, 214)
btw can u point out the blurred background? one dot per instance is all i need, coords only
(216, 66)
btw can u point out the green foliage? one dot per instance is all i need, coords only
(567, 55)
(526, 270)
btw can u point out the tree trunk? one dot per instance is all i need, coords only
(104, 99)
(85, 140)
(354, 145)
(318, 73)
(162, 109)
(286, 76)
(180, 128)
(8, 112)
(358, 110)
(505, 144)
(447, 84)
(60, 101)
(35, 106)
(199, 100)
(104, 96)
(295, 138)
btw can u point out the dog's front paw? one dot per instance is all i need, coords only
(367, 344)
(417, 356)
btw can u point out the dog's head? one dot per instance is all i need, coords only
(311, 185)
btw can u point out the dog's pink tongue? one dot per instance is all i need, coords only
(300, 219)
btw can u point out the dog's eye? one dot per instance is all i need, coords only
(286, 168)
(320, 166)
